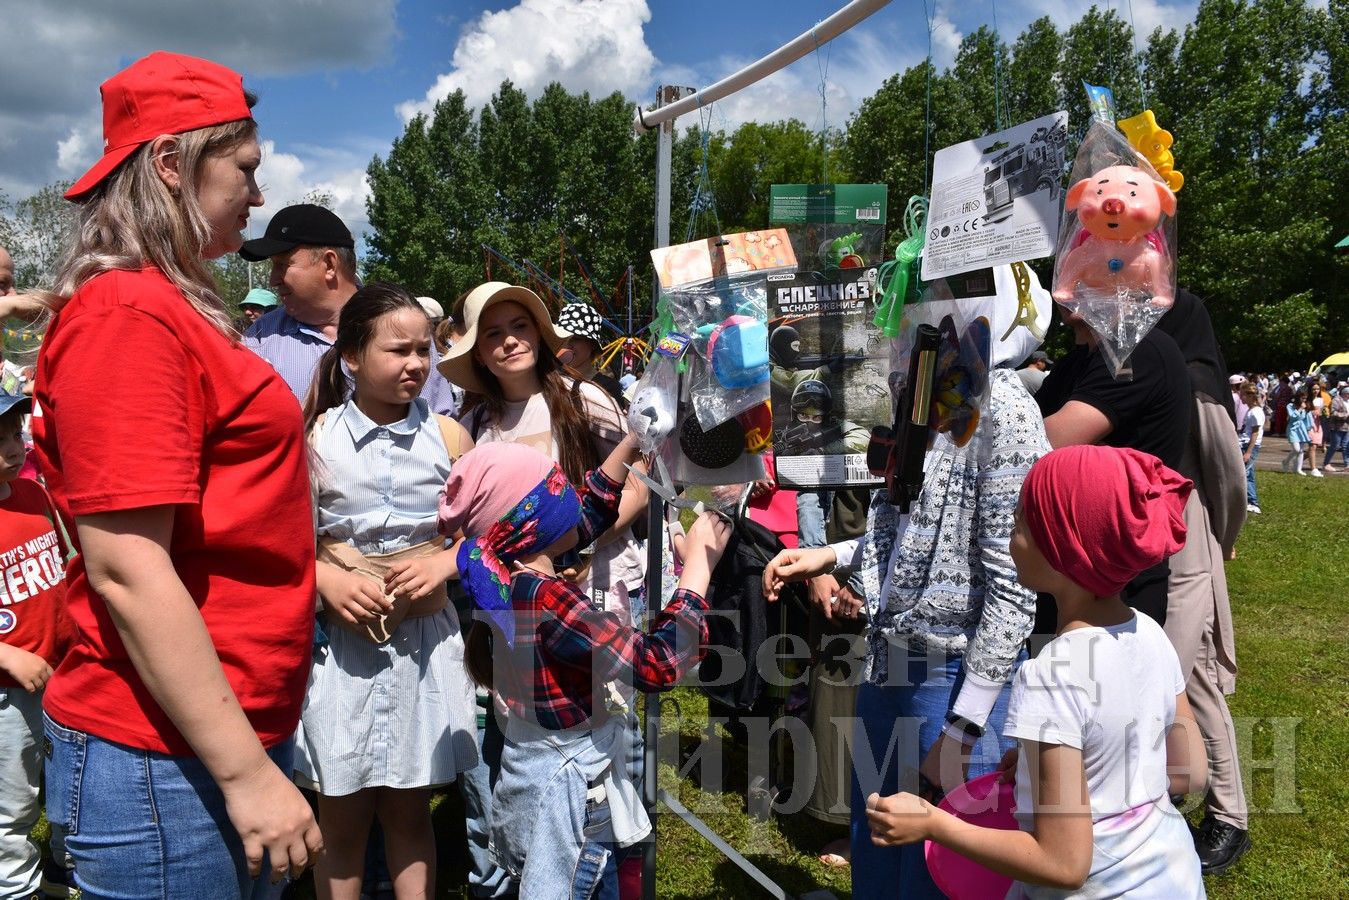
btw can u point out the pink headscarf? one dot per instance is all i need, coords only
(486, 482)
(1101, 515)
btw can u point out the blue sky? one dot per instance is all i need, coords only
(339, 77)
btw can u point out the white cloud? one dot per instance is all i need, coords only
(74, 154)
(586, 45)
(286, 178)
(946, 39)
(57, 52)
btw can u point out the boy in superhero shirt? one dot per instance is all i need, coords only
(35, 633)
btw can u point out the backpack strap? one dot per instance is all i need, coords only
(313, 435)
(450, 435)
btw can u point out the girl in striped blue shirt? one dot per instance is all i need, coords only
(389, 712)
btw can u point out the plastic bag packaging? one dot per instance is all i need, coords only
(729, 366)
(1116, 262)
(960, 383)
(653, 413)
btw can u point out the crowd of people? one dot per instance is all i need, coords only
(371, 547)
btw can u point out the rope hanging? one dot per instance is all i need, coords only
(1001, 117)
(927, 114)
(703, 196)
(1138, 66)
(824, 102)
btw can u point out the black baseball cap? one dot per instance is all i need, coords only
(302, 225)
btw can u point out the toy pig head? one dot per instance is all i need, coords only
(1120, 203)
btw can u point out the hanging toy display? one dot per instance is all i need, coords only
(843, 252)
(1154, 142)
(702, 405)
(898, 281)
(1115, 264)
(654, 408)
(716, 292)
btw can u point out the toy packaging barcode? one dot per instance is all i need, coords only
(868, 214)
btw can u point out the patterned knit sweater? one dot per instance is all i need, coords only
(953, 589)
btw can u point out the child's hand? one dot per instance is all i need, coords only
(796, 564)
(354, 599)
(898, 819)
(1007, 767)
(417, 578)
(28, 669)
(706, 541)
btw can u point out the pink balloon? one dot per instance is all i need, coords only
(981, 801)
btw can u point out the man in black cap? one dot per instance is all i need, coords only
(314, 274)
(1037, 367)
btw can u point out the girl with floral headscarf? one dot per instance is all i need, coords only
(563, 801)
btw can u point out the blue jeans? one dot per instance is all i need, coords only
(1250, 476)
(142, 824)
(20, 778)
(812, 516)
(897, 724)
(485, 877)
(1338, 441)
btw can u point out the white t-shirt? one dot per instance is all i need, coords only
(1111, 693)
(529, 422)
(1254, 424)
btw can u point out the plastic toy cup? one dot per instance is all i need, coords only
(981, 801)
(738, 351)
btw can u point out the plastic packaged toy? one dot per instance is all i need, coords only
(1154, 142)
(1115, 264)
(655, 401)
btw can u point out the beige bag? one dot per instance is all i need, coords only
(374, 567)
(348, 558)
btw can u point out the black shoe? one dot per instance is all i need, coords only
(1220, 845)
(57, 881)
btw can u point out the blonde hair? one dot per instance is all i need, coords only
(134, 218)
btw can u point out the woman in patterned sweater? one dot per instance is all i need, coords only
(947, 617)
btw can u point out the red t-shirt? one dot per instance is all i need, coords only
(32, 577)
(140, 402)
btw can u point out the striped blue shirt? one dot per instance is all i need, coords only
(294, 349)
(379, 485)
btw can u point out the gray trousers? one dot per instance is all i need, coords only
(1199, 618)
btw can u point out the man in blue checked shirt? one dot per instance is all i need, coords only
(314, 274)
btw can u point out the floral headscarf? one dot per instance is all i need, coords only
(547, 511)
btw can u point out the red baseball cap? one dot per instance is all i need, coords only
(164, 93)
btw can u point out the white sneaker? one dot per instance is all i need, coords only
(1328, 468)
(1300, 472)
(1316, 473)
(1253, 509)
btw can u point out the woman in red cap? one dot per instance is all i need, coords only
(1099, 758)
(179, 457)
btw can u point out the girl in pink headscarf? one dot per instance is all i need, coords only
(1099, 758)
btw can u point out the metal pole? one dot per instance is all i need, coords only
(655, 532)
(785, 55)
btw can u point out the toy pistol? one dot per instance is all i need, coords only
(896, 453)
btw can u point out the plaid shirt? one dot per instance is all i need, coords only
(571, 649)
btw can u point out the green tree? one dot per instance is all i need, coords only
(1033, 73)
(427, 205)
(1249, 239)
(36, 230)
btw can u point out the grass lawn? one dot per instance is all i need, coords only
(1291, 707)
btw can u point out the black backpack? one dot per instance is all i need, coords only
(740, 621)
